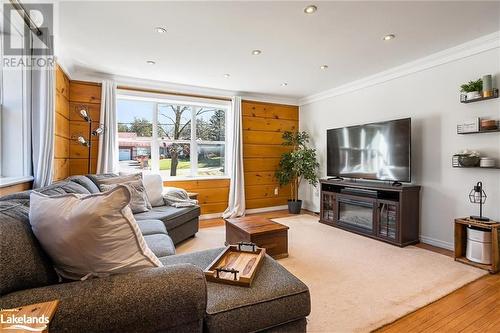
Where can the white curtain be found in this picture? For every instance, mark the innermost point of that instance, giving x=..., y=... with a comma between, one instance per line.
x=107, y=158
x=236, y=205
x=42, y=124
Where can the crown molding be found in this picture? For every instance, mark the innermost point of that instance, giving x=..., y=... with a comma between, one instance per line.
x=473, y=47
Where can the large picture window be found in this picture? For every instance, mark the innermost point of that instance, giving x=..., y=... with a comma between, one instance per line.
x=174, y=138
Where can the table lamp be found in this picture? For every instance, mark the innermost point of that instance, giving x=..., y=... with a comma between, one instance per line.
x=478, y=196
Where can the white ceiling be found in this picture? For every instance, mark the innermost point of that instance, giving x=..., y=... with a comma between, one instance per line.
x=205, y=40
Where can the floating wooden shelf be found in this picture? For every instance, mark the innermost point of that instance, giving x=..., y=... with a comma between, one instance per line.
x=465, y=100
x=482, y=131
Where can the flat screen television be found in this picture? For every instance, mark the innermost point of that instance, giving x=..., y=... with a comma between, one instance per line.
x=376, y=151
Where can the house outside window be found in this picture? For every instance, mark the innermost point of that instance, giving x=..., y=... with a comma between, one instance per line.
x=176, y=138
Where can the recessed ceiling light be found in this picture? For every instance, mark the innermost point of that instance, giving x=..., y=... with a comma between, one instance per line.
x=323, y=67
x=151, y=62
x=160, y=30
x=284, y=84
x=310, y=9
x=389, y=37
x=227, y=75
x=256, y=52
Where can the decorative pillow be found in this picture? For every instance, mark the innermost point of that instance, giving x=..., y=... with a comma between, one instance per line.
x=90, y=235
x=154, y=189
x=139, y=202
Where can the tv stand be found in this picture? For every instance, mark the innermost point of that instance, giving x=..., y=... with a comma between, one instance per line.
x=335, y=178
x=382, y=211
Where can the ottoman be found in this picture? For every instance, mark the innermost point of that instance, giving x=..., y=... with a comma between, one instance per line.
x=276, y=302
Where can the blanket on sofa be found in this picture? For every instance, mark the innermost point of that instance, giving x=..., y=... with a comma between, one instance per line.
x=177, y=197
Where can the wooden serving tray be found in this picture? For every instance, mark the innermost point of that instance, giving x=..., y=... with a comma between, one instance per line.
x=236, y=265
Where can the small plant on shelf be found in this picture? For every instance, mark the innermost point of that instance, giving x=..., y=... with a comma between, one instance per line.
x=472, y=89
x=296, y=165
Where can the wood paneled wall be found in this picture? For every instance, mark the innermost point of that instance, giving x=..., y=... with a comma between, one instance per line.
x=83, y=94
x=61, y=130
x=263, y=126
x=212, y=193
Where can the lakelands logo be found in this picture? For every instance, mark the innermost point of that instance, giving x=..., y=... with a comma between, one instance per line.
x=27, y=38
x=24, y=322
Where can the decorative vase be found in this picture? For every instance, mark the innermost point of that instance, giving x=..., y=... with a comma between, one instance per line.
x=487, y=86
x=294, y=207
x=473, y=95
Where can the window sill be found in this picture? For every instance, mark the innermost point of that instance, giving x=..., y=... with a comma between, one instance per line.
x=9, y=181
x=179, y=179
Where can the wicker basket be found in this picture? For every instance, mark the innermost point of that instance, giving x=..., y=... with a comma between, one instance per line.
x=468, y=161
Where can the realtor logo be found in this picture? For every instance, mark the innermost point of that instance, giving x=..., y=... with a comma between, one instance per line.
x=10, y=321
x=37, y=28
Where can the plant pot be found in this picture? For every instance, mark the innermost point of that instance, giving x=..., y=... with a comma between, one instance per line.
x=473, y=95
x=294, y=207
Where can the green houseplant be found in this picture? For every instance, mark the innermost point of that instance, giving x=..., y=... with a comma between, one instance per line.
x=472, y=89
x=296, y=165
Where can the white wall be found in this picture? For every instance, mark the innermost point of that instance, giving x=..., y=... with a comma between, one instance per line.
x=431, y=98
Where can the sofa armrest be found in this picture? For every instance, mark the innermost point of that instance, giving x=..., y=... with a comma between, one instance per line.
x=151, y=300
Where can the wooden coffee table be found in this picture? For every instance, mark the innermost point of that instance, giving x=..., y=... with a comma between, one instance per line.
x=265, y=233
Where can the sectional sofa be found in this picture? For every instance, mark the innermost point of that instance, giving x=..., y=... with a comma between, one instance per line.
x=173, y=298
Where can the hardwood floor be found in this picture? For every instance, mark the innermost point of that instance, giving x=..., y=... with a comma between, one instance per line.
x=473, y=308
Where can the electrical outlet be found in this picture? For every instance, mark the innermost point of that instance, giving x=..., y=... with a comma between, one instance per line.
x=276, y=191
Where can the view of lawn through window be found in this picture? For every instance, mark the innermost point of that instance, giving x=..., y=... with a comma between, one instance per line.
x=174, y=139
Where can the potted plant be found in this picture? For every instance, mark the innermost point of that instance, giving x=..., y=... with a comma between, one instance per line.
x=296, y=165
x=472, y=89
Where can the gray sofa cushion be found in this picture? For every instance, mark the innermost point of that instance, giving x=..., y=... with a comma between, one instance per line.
x=85, y=182
x=164, y=299
x=63, y=187
x=171, y=216
x=275, y=297
x=58, y=188
x=160, y=244
x=96, y=178
x=23, y=263
x=151, y=227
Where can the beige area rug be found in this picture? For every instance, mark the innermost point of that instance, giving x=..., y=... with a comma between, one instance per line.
x=357, y=284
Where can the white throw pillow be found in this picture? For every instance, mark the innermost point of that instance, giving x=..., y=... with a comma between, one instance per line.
x=154, y=189
x=90, y=235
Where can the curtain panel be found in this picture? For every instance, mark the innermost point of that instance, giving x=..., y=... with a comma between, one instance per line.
x=236, y=202
x=107, y=157
x=42, y=124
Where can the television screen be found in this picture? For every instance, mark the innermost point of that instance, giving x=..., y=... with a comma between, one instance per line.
x=377, y=151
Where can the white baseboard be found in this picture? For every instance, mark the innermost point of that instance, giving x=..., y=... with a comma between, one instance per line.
x=248, y=211
x=437, y=242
